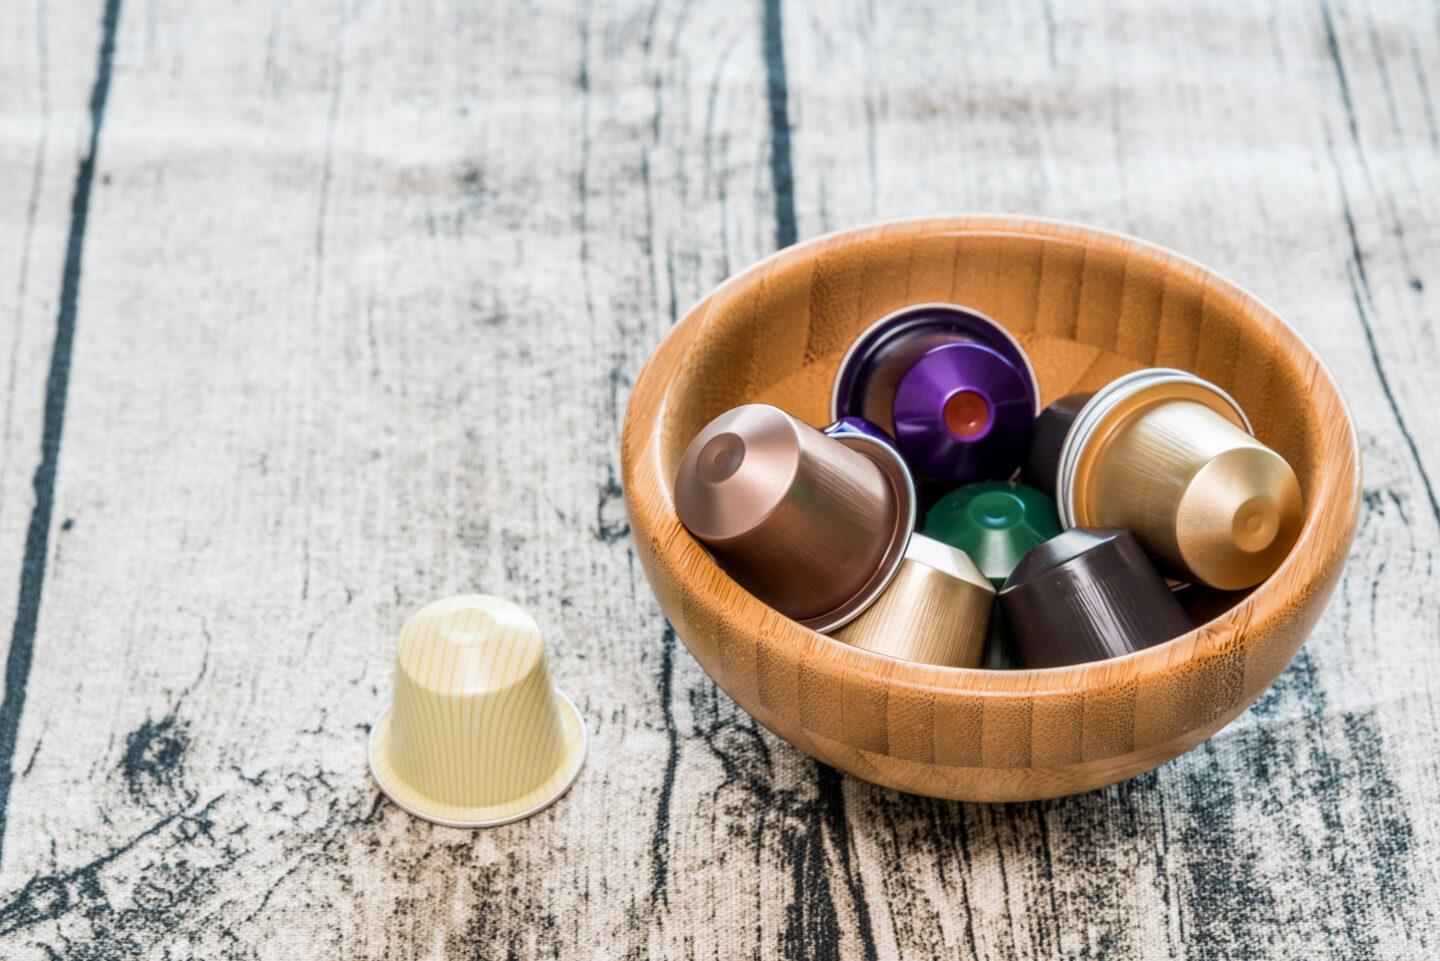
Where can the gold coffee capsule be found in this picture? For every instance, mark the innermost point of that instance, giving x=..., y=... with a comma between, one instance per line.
x=1172, y=458
x=935, y=611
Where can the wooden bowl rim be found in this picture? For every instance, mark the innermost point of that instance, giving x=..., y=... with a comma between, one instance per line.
x=1330, y=520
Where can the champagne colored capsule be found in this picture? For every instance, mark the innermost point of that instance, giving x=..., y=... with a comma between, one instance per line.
x=995, y=522
x=476, y=735
x=1172, y=458
x=953, y=387
x=1088, y=595
x=813, y=525
x=935, y=611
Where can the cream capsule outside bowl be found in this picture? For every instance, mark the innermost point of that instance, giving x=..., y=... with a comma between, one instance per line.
x=1172, y=457
x=813, y=525
x=935, y=611
x=476, y=735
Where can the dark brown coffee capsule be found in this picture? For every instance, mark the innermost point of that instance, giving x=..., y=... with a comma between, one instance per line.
x=1046, y=444
x=814, y=526
x=1087, y=595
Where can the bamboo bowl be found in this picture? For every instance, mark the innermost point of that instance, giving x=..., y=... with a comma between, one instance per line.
x=1088, y=306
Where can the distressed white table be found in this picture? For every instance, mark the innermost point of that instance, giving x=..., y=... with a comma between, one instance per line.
x=315, y=312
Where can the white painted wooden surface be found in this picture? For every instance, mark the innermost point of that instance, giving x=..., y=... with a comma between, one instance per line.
x=360, y=295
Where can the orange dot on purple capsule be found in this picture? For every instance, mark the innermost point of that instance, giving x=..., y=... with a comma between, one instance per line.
x=967, y=413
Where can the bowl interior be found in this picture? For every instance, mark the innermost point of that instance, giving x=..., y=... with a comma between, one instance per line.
x=1087, y=306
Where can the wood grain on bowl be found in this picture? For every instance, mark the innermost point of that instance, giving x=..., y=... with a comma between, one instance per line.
x=1088, y=306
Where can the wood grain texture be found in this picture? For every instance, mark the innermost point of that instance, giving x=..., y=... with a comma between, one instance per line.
x=1052, y=732
x=346, y=263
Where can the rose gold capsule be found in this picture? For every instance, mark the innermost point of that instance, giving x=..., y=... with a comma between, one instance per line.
x=814, y=526
x=1171, y=457
x=935, y=611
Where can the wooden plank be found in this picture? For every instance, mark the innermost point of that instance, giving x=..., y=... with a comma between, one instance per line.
x=364, y=297
x=1231, y=136
x=348, y=267
x=44, y=140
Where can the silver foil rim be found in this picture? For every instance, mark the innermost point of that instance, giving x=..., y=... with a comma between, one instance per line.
x=1094, y=412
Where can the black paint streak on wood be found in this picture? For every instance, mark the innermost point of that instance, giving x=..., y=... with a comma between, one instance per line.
x=782, y=171
x=1390, y=398
x=962, y=838
x=1047, y=10
x=154, y=758
x=1047, y=864
x=1356, y=290
x=837, y=825
x=57, y=388
x=1333, y=46
x=812, y=926
x=512, y=917
x=46, y=897
x=798, y=821
x=610, y=501
x=818, y=928
x=1221, y=868
x=582, y=81
x=1294, y=778
x=660, y=841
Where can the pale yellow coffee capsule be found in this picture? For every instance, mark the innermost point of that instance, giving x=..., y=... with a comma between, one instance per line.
x=476, y=735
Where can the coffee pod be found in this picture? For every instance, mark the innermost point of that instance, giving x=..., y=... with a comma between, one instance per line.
x=1089, y=594
x=814, y=526
x=995, y=522
x=952, y=386
x=476, y=735
x=1041, y=463
x=962, y=413
x=927, y=491
x=859, y=425
x=1172, y=457
x=935, y=611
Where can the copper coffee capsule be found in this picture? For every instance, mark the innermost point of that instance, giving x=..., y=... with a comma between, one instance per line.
x=814, y=526
x=1172, y=458
x=935, y=611
x=1087, y=595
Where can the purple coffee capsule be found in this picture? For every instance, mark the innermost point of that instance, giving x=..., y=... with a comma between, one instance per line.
x=859, y=425
x=952, y=386
x=1087, y=595
x=962, y=413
